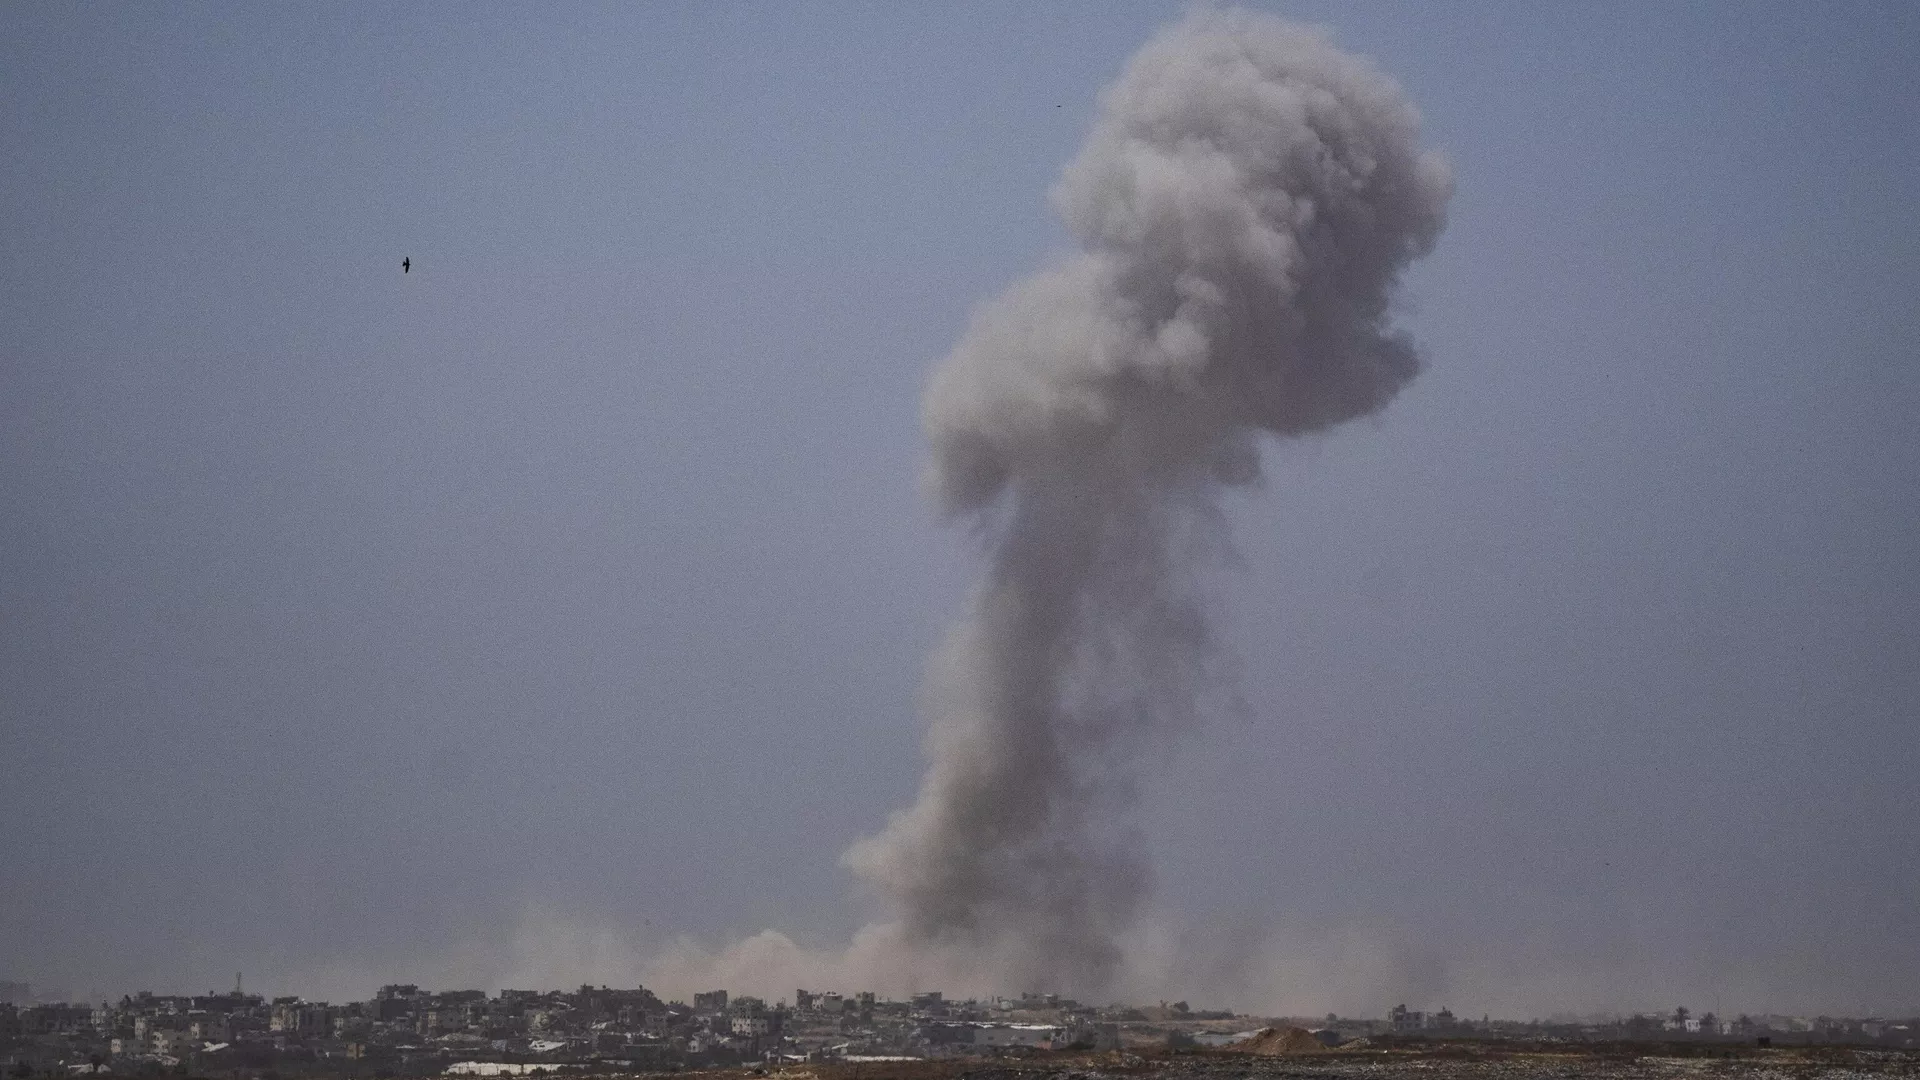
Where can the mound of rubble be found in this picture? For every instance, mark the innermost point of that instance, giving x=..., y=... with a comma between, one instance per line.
x=1273, y=1042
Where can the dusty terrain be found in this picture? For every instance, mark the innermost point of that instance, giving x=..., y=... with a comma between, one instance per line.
x=1438, y=1061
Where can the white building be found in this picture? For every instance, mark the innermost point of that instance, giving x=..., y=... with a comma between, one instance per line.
x=751, y=1026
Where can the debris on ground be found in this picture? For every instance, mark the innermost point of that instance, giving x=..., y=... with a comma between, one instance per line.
x=1272, y=1042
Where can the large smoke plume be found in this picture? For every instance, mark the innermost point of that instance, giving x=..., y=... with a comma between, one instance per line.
x=1244, y=206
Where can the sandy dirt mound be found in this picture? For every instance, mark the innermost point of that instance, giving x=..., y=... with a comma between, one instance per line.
x=1276, y=1041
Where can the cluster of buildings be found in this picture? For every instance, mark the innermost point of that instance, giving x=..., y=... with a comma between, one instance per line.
x=1681, y=1024
x=1765, y=1029
x=406, y=1031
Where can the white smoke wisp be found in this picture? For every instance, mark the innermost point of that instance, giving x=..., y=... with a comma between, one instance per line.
x=1244, y=206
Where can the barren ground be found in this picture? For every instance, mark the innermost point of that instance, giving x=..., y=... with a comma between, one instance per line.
x=1438, y=1061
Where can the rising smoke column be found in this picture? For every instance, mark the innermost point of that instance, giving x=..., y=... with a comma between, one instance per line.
x=1244, y=206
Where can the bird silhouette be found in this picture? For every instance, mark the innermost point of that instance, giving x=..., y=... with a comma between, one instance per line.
x=406, y=265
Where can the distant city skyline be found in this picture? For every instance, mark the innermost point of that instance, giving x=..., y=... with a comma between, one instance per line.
x=937, y=1004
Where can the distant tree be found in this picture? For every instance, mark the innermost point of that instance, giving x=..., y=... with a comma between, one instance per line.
x=1680, y=1016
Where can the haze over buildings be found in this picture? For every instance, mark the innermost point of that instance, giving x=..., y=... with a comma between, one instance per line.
x=407, y=1030
x=555, y=612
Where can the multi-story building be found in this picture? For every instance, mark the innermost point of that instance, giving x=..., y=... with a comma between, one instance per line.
x=172, y=1042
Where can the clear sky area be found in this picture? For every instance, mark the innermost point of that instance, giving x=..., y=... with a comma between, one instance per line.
x=555, y=611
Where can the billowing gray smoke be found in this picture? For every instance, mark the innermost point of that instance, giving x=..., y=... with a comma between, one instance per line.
x=1245, y=204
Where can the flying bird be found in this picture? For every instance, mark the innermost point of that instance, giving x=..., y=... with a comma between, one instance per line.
x=406, y=264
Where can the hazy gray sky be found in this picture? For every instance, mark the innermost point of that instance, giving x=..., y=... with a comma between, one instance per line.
x=506, y=619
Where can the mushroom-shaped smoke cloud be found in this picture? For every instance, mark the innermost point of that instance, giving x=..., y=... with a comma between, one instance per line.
x=1245, y=204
